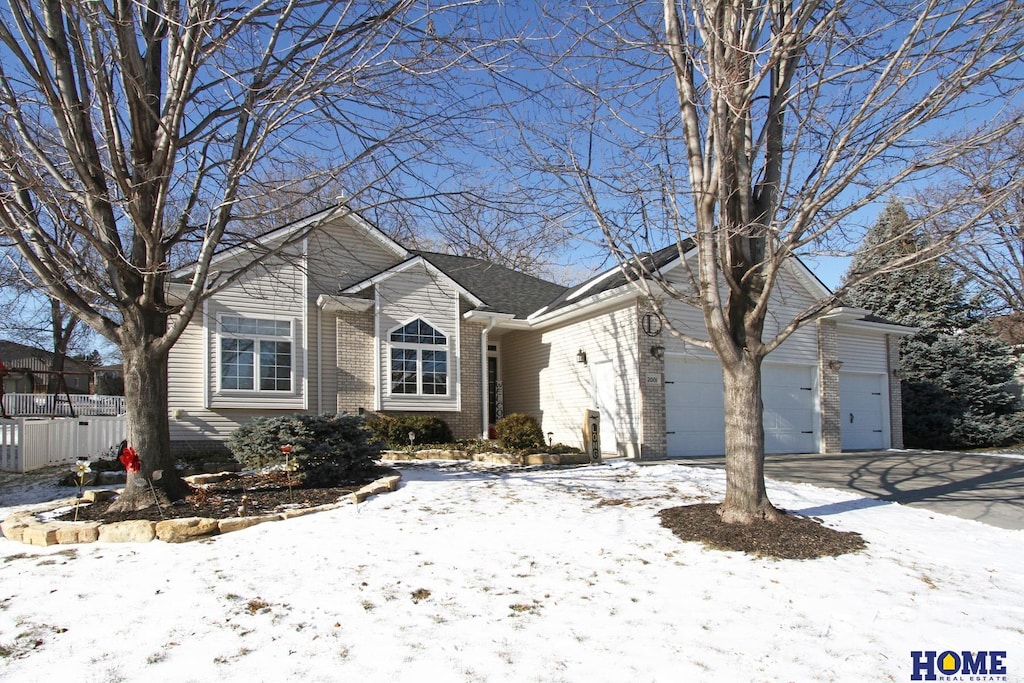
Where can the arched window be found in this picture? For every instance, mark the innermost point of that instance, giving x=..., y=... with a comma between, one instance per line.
x=419, y=360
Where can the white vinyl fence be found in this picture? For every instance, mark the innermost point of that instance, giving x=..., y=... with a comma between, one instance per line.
x=29, y=443
x=25, y=405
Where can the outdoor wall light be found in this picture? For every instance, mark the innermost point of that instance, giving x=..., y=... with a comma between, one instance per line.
x=581, y=357
x=658, y=351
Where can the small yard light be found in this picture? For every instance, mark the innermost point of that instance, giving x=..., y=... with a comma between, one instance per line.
x=551, y=439
x=412, y=439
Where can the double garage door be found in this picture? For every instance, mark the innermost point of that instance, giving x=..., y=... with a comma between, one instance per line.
x=695, y=407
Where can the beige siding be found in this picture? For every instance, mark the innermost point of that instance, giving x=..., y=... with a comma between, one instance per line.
x=862, y=351
x=339, y=254
x=788, y=299
x=542, y=377
x=412, y=294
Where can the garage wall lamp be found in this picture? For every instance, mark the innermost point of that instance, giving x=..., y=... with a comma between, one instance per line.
x=581, y=357
x=658, y=351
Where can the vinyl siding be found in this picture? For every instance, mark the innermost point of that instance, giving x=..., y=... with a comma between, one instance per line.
x=861, y=351
x=338, y=255
x=541, y=376
x=788, y=299
x=411, y=294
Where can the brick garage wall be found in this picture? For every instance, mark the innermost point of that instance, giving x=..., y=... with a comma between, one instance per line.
x=654, y=442
x=828, y=374
x=892, y=344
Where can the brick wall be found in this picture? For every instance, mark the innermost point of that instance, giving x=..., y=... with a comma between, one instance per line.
x=828, y=375
x=466, y=423
x=892, y=344
x=654, y=443
x=355, y=362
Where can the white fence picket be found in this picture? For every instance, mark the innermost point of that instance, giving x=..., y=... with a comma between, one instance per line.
x=30, y=444
x=27, y=405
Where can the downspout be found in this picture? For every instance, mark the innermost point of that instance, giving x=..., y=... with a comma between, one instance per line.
x=485, y=423
x=319, y=361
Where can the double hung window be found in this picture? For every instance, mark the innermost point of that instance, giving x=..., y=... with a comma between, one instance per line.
x=255, y=354
x=419, y=360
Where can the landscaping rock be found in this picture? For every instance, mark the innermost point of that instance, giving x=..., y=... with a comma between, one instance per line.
x=108, y=478
x=200, y=479
x=98, y=496
x=185, y=529
x=13, y=527
x=238, y=523
x=78, y=532
x=134, y=531
x=41, y=534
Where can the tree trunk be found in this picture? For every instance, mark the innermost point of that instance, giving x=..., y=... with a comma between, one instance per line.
x=145, y=390
x=746, y=500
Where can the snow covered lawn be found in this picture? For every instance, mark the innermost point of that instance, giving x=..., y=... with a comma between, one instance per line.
x=488, y=573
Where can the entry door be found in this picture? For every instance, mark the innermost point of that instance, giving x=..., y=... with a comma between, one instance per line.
x=606, y=396
x=863, y=411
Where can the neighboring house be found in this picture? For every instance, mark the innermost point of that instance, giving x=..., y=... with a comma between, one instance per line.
x=347, y=320
x=29, y=371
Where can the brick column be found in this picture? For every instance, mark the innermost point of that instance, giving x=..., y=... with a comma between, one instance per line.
x=828, y=375
x=892, y=345
x=653, y=441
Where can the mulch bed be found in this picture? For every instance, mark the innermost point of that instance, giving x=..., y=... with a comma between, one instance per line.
x=265, y=493
x=791, y=538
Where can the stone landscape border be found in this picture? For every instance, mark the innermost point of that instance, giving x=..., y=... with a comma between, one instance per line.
x=26, y=527
x=498, y=458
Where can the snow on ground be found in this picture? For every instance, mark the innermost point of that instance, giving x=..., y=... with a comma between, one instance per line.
x=476, y=573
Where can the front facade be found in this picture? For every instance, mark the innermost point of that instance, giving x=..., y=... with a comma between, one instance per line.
x=342, y=319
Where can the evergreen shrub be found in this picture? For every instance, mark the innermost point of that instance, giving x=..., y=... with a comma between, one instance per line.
x=393, y=431
x=326, y=449
x=519, y=431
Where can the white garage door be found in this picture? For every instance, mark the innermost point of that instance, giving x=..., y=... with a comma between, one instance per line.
x=695, y=408
x=862, y=411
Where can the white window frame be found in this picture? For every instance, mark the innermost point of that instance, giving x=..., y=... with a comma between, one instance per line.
x=419, y=349
x=257, y=339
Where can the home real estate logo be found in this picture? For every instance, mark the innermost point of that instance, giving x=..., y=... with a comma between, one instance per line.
x=982, y=665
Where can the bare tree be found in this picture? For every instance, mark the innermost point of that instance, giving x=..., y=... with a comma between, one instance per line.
x=749, y=131
x=989, y=253
x=143, y=126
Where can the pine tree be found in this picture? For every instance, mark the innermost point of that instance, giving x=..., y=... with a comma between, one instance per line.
x=954, y=369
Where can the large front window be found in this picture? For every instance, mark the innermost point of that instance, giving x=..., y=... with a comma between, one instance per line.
x=419, y=360
x=255, y=354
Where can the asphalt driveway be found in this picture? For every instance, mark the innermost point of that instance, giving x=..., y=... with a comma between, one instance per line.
x=985, y=488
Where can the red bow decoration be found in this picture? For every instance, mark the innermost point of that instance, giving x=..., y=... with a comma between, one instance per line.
x=130, y=459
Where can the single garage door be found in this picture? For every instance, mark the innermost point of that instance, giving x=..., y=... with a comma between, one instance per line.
x=695, y=408
x=862, y=411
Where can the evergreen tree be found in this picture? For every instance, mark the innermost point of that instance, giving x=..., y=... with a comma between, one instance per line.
x=954, y=370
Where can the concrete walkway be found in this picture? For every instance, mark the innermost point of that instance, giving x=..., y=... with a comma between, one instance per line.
x=985, y=488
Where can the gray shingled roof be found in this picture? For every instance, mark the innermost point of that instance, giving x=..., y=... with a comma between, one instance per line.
x=503, y=290
x=613, y=278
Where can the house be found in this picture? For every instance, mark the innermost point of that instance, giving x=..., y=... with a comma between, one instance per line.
x=30, y=371
x=342, y=318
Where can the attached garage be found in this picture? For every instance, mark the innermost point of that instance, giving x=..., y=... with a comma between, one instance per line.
x=695, y=407
x=863, y=411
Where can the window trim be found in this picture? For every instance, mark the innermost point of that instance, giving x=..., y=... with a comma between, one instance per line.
x=419, y=348
x=291, y=338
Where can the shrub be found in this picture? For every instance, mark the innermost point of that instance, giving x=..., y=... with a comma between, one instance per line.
x=393, y=431
x=326, y=449
x=519, y=431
